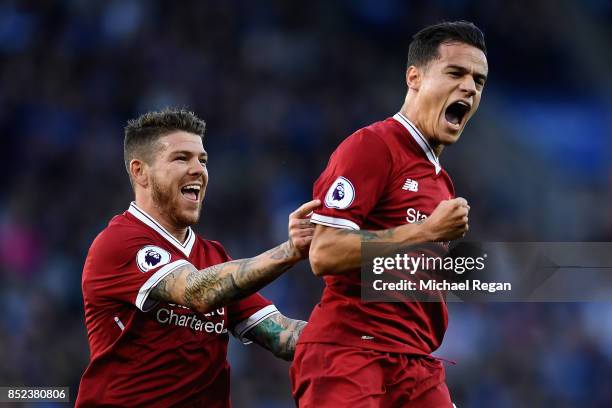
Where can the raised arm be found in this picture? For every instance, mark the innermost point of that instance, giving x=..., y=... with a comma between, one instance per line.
x=279, y=334
x=208, y=289
x=335, y=251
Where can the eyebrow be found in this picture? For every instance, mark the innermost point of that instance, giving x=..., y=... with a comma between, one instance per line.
x=464, y=70
x=190, y=153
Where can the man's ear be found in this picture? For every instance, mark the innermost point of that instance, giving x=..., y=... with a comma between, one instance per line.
x=139, y=172
x=414, y=76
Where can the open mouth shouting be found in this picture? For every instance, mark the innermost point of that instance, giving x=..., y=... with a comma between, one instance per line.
x=192, y=191
x=456, y=113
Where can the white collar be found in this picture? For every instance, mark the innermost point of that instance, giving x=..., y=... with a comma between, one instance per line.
x=420, y=139
x=185, y=247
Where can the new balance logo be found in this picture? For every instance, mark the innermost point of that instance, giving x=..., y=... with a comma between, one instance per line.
x=411, y=185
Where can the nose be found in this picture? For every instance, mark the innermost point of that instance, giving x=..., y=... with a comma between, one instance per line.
x=468, y=85
x=196, y=167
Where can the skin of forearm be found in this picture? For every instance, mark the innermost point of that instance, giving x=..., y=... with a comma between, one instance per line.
x=279, y=334
x=208, y=289
x=335, y=251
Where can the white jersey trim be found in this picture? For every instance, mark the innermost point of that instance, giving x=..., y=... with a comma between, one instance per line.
x=145, y=289
x=333, y=222
x=185, y=247
x=420, y=139
x=244, y=326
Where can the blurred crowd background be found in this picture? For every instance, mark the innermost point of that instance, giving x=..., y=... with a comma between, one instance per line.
x=280, y=84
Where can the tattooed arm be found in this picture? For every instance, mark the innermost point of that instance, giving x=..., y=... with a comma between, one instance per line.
x=335, y=251
x=278, y=334
x=208, y=289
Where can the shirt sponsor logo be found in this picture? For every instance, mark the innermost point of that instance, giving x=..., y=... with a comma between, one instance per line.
x=414, y=216
x=193, y=321
x=151, y=257
x=340, y=195
x=411, y=185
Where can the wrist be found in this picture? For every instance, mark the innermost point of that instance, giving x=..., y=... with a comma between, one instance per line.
x=423, y=233
x=292, y=253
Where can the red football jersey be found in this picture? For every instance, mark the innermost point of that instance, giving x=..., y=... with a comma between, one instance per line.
x=382, y=176
x=147, y=353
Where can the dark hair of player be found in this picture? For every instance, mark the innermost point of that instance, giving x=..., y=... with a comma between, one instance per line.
x=425, y=43
x=142, y=133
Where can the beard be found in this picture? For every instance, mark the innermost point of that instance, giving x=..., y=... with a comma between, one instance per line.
x=169, y=205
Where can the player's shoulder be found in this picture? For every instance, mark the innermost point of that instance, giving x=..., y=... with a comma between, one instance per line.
x=209, y=243
x=213, y=246
x=384, y=128
x=367, y=139
x=121, y=227
x=378, y=135
x=120, y=231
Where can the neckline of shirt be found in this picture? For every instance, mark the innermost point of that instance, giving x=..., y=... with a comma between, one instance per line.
x=420, y=139
x=148, y=220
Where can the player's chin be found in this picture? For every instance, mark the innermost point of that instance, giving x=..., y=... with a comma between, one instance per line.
x=449, y=135
x=189, y=217
x=189, y=212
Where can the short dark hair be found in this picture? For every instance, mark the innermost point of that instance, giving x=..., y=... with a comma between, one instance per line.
x=142, y=133
x=425, y=43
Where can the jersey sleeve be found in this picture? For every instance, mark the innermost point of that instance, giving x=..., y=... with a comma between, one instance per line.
x=247, y=313
x=353, y=181
x=125, y=266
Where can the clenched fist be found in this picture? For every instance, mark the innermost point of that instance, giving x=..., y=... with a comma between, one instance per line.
x=448, y=221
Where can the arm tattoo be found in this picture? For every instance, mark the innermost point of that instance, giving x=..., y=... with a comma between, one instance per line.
x=163, y=290
x=211, y=286
x=279, y=334
x=283, y=251
x=369, y=236
x=218, y=285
